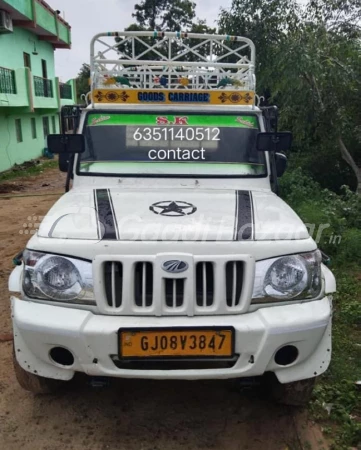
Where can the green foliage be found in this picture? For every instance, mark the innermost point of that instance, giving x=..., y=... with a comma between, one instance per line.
x=267, y=23
x=336, y=389
x=351, y=246
x=82, y=82
x=126, y=47
x=165, y=15
x=28, y=169
x=317, y=206
x=308, y=63
x=172, y=15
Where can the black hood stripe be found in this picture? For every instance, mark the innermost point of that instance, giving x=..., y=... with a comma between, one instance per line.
x=107, y=224
x=114, y=216
x=244, y=223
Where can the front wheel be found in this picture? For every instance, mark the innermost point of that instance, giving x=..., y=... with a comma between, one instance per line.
x=296, y=393
x=35, y=383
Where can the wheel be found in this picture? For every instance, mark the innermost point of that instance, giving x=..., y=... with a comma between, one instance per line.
x=297, y=393
x=35, y=383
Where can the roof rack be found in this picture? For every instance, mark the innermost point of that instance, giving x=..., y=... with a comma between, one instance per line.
x=124, y=64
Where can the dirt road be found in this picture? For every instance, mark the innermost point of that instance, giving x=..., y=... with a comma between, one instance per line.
x=127, y=414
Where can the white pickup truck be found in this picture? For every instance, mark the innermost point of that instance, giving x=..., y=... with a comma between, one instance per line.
x=172, y=256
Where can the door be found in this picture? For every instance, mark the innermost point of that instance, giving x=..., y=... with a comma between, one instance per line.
x=45, y=76
x=27, y=60
x=46, y=127
x=44, y=68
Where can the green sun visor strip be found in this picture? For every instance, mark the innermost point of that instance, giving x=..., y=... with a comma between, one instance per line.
x=125, y=167
x=234, y=121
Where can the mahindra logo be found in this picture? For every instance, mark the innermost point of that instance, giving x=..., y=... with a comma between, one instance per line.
x=175, y=266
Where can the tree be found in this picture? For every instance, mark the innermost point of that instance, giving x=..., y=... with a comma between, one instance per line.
x=309, y=63
x=170, y=15
x=165, y=15
x=323, y=59
x=199, y=27
x=82, y=81
x=267, y=23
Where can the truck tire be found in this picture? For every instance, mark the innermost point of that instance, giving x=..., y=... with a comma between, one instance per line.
x=35, y=383
x=296, y=393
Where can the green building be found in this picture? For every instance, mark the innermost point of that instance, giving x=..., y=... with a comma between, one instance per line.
x=31, y=95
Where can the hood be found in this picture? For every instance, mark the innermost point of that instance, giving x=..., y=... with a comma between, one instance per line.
x=172, y=215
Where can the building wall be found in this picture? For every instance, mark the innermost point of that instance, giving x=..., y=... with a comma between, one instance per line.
x=23, y=82
x=23, y=96
x=13, y=45
x=23, y=6
x=42, y=15
x=14, y=152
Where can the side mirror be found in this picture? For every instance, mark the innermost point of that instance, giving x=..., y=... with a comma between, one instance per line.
x=66, y=143
x=274, y=142
x=281, y=164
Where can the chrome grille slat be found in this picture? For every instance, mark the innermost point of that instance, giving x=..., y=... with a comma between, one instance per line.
x=144, y=279
x=234, y=283
x=174, y=292
x=143, y=284
x=113, y=274
x=113, y=284
x=204, y=269
x=234, y=288
x=204, y=284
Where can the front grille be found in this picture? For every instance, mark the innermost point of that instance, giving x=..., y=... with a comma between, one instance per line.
x=113, y=280
x=234, y=283
x=211, y=285
x=204, y=284
x=174, y=292
x=143, y=284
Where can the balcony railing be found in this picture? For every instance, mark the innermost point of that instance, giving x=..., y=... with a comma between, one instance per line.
x=7, y=81
x=43, y=87
x=65, y=91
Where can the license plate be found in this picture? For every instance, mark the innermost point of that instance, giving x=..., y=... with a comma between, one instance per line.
x=176, y=343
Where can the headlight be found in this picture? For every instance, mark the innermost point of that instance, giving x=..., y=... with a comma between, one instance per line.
x=57, y=278
x=288, y=278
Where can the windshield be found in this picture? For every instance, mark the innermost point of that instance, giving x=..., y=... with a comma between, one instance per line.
x=171, y=144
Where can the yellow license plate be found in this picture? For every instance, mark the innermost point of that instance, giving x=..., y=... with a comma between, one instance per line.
x=176, y=342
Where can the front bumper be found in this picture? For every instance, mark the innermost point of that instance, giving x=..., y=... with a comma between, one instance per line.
x=93, y=340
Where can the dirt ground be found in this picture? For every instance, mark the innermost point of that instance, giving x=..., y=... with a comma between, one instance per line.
x=127, y=414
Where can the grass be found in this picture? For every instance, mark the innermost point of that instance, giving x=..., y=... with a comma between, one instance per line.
x=26, y=170
x=336, y=389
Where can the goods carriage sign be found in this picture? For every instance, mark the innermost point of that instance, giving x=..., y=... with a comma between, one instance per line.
x=171, y=97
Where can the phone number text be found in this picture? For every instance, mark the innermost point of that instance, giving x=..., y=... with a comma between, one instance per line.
x=176, y=134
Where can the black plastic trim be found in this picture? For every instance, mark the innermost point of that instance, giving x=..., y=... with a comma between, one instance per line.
x=59, y=254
